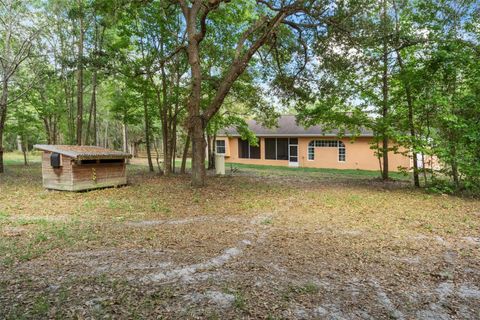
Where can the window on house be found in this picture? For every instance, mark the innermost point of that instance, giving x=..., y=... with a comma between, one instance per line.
x=220, y=146
x=282, y=149
x=276, y=148
x=247, y=151
x=243, y=149
x=255, y=151
x=311, y=150
x=342, y=154
x=271, y=148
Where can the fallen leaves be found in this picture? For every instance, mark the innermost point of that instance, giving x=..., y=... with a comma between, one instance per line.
x=248, y=246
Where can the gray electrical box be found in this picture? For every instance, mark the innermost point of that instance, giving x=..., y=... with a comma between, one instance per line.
x=55, y=160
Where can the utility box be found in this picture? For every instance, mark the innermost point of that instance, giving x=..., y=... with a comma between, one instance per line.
x=55, y=160
x=220, y=164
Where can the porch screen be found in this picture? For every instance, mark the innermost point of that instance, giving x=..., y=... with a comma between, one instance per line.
x=247, y=151
x=276, y=148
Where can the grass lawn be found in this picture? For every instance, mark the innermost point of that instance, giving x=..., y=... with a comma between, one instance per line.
x=315, y=172
x=263, y=242
x=16, y=158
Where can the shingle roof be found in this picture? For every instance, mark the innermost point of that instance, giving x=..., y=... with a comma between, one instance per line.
x=287, y=126
x=83, y=152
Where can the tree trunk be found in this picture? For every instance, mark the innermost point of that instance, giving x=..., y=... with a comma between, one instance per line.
x=125, y=137
x=3, y=118
x=454, y=166
x=24, y=146
x=105, y=140
x=71, y=120
x=409, y=98
x=198, y=153
x=167, y=159
x=214, y=148
x=95, y=129
x=2, y=170
x=424, y=169
x=157, y=158
x=385, y=172
x=80, y=81
x=19, y=143
x=185, y=154
x=416, y=178
x=54, y=130
x=174, y=118
x=147, y=131
x=167, y=143
x=134, y=148
x=411, y=123
x=48, y=130
x=93, y=110
x=209, y=152
x=174, y=144
x=196, y=122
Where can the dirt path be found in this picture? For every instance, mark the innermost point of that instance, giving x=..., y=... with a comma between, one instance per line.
x=246, y=247
x=261, y=272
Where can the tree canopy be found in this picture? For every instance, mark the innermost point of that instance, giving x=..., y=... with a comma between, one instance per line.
x=160, y=75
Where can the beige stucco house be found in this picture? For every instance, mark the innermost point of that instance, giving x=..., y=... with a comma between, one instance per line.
x=292, y=145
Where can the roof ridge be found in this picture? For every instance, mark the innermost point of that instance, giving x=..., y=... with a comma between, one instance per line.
x=288, y=126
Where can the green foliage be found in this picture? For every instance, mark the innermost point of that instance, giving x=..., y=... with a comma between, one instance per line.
x=327, y=65
x=433, y=86
x=439, y=186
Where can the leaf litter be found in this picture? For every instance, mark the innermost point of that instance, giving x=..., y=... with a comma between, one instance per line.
x=251, y=246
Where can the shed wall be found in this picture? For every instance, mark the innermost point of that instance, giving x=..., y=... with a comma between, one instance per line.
x=98, y=175
x=57, y=178
x=76, y=177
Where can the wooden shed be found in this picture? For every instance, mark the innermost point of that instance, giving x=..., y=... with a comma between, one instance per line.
x=76, y=168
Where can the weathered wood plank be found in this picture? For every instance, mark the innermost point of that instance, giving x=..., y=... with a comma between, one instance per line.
x=72, y=176
x=88, y=185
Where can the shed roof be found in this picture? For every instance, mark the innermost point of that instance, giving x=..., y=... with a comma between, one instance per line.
x=83, y=152
x=287, y=126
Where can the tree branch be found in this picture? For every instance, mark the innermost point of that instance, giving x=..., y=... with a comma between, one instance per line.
x=259, y=23
x=240, y=64
x=212, y=5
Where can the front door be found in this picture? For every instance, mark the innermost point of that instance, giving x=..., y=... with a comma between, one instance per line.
x=293, y=152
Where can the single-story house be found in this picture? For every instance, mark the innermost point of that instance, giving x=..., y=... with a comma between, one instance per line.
x=77, y=168
x=290, y=144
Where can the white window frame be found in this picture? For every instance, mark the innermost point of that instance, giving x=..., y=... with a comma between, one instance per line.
x=341, y=146
x=224, y=147
x=293, y=163
x=327, y=144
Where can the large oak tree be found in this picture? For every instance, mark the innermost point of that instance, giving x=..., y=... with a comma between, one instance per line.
x=262, y=23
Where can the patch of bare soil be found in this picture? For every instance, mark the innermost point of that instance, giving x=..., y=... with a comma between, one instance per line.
x=312, y=253
x=263, y=271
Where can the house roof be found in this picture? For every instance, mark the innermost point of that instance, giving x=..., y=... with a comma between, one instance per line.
x=287, y=126
x=83, y=152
